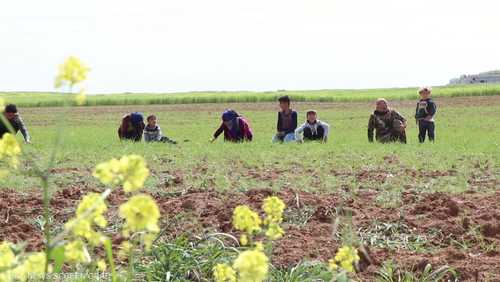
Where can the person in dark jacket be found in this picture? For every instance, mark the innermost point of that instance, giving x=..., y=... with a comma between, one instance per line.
x=389, y=125
x=234, y=127
x=132, y=127
x=16, y=122
x=287, y=122
x=424, y=115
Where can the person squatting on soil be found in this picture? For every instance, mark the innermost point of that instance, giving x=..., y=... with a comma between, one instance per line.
x=313, y=129
x=424, y=114
x=132, y=127
x=388, y=124
x=287, y=122
x=15, y=120
x=152, y=132
x=235, y=127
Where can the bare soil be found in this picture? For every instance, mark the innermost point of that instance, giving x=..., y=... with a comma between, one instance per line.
x=472, y=218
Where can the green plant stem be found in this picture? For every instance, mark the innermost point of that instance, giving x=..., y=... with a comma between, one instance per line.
x=44, y=176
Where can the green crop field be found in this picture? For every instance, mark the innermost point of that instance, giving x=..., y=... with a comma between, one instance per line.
x=431, y=204
x=57, y=99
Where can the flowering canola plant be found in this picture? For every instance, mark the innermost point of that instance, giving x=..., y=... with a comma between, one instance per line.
x=72, y=72
x=14, y=268
x=10, y=150
x=347, y=257
x=252, y=265
x=129, y=171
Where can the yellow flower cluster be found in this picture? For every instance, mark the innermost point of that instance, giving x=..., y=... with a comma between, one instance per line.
x=32, y=268
x=13, y=268
x=89, y=212
x=81, y=97
x=141, y=214
x=76, y=252
x=252, y=266
x=224, y=273
x=129, y=171
x=10, y=149
x=245, y=219
x=71, y=72
x=273, y=207
x=346, y=256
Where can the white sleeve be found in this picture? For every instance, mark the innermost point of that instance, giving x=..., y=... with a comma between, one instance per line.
x=298, y=132
x=158, y=137
x=326, y=127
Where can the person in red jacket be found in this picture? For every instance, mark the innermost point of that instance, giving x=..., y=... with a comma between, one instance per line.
x=234, y=127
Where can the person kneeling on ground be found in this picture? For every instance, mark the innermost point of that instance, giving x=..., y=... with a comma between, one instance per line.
x=16, y=122
x=152, y=132
x=313, y=129
x=287, y=122
x=132, y=127
x=235, y=128
x=388, y=124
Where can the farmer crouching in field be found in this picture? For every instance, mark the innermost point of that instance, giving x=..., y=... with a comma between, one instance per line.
x=388, y=124
x=235, y=128
x=132, y=127
x=313, y=129
x=16, y=122
x=287, y=122
x=424, y=114
x=152, y=132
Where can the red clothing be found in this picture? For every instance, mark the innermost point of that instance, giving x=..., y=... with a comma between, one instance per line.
x=242, y=131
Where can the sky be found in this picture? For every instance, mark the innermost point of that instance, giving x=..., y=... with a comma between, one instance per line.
x=259, y=45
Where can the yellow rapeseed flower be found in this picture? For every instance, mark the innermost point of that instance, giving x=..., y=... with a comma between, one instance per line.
x=273, y=207
x=71, y=72
x=93, y=207
x=252, y=266
x=32, y=268
x=81, y=97
x=125, y=249
x=243, y=239
x=101, y=265
x=224, y=273
x=130, y=171
x=10, y=149
x=7, y=257
x=141, y=213
x=347, y=257
x=76, y=252
x=244, y=219
x=274, y=231
x=2, y=102
x=89, y=212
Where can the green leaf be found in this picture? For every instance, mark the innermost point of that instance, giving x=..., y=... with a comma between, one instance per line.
x=57, y=254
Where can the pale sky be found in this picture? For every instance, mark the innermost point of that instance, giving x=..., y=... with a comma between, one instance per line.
x=191, y=45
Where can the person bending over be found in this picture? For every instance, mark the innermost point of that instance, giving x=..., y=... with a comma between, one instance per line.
x=132, y=127
x=235, y=128
x=16, y=122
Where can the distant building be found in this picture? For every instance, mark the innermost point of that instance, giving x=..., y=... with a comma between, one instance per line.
x=484, y=77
